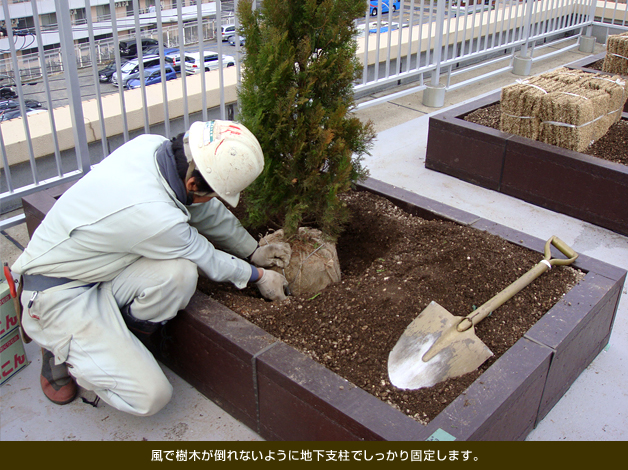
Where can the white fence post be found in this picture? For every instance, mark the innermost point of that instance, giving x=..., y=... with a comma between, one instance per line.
x=522, y=63
x=73, y=86
x=434, y=94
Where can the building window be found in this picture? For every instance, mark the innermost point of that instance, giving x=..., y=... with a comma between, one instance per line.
x=78, y=15
x=103, y=13
x=48, y=19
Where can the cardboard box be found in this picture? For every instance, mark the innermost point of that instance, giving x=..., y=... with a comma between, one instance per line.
x=8, y=315
x=12, y=355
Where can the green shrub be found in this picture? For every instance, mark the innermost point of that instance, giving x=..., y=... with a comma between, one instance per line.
x=297, y=98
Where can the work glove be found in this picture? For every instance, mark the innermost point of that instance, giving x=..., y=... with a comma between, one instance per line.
x=273, y=254
x=272, y=285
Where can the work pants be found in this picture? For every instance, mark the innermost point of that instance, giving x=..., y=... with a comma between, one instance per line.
x=83, y=327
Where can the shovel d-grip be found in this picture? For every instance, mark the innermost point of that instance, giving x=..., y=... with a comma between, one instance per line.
x=498, y=300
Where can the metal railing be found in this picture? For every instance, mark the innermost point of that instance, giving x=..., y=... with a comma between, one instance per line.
x=31, y=65
x=454, y=40
x=426, y=42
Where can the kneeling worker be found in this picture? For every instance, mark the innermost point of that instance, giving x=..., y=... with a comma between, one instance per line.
x=119, y=252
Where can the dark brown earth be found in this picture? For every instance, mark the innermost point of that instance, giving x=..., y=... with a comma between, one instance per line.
x=612, y=146
x=393, y=265
x=597, y=65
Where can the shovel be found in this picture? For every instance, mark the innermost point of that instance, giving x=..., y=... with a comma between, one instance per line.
x=437, y=345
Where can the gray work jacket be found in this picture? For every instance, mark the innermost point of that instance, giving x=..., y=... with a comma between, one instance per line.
x=124, y=209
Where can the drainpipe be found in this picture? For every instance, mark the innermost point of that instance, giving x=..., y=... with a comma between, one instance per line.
x=434, y=93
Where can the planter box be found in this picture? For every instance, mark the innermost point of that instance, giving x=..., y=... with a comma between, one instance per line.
x=565, y=181
x=284, y=395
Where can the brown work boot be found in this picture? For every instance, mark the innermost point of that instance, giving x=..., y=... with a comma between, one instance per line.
x=56, y=383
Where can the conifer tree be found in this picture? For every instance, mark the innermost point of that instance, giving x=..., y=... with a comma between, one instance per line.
x=297, y=98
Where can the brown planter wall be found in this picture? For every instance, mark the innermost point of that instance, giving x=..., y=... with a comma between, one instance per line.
x=572, y=183
x=284, y=395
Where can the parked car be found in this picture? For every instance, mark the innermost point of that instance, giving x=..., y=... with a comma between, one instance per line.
x=174, y=59
x=169, y=53
x=152, y=75
x=7, y=87
x=385, y=6
x=106, y=73
x=232, y=40
x=12, y=113
x=154, y=50
x=128, y=47
x=210, y=62
x=227, y=30
x=133, y=66
x=15, y=104
x=6, y=92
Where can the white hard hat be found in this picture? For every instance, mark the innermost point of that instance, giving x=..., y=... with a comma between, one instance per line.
x=227, y=154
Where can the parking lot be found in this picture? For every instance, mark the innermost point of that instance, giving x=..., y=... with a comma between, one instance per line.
x=88, y=82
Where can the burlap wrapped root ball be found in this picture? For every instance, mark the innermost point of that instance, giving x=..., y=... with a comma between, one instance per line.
x=616, y=58
x=314, y=262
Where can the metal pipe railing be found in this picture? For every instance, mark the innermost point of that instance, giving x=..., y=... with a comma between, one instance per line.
x=428, y=39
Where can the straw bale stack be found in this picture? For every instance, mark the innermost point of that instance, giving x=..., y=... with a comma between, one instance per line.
x=567, y=108
x=616, y=59
x=567, y=76
x=615, y=87
x=573, y=118
x=520, y=105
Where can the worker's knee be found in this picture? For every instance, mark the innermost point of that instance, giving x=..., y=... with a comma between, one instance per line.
x=140, y=392
x=156, y=290
x=183, y=279
x=156, y=397
x=147, y=398
x=188, y=274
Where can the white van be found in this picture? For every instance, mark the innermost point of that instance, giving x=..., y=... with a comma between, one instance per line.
x=175, y=59
x=133, y=66
x=227, y=30
x=194, y=65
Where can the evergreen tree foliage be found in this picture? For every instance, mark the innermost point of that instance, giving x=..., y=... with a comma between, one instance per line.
x=297, y=97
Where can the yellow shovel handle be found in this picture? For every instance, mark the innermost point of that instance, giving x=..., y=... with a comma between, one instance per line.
x=481, y=313
x=563, y=248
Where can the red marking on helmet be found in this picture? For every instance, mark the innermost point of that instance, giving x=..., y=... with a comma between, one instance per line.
x=233, y=130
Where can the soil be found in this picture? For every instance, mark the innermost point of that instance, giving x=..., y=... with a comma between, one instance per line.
x=597, y=65
x=612, y=146
x=393, y=265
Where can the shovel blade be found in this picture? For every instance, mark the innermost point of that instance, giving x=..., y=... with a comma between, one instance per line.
x=458, y=352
